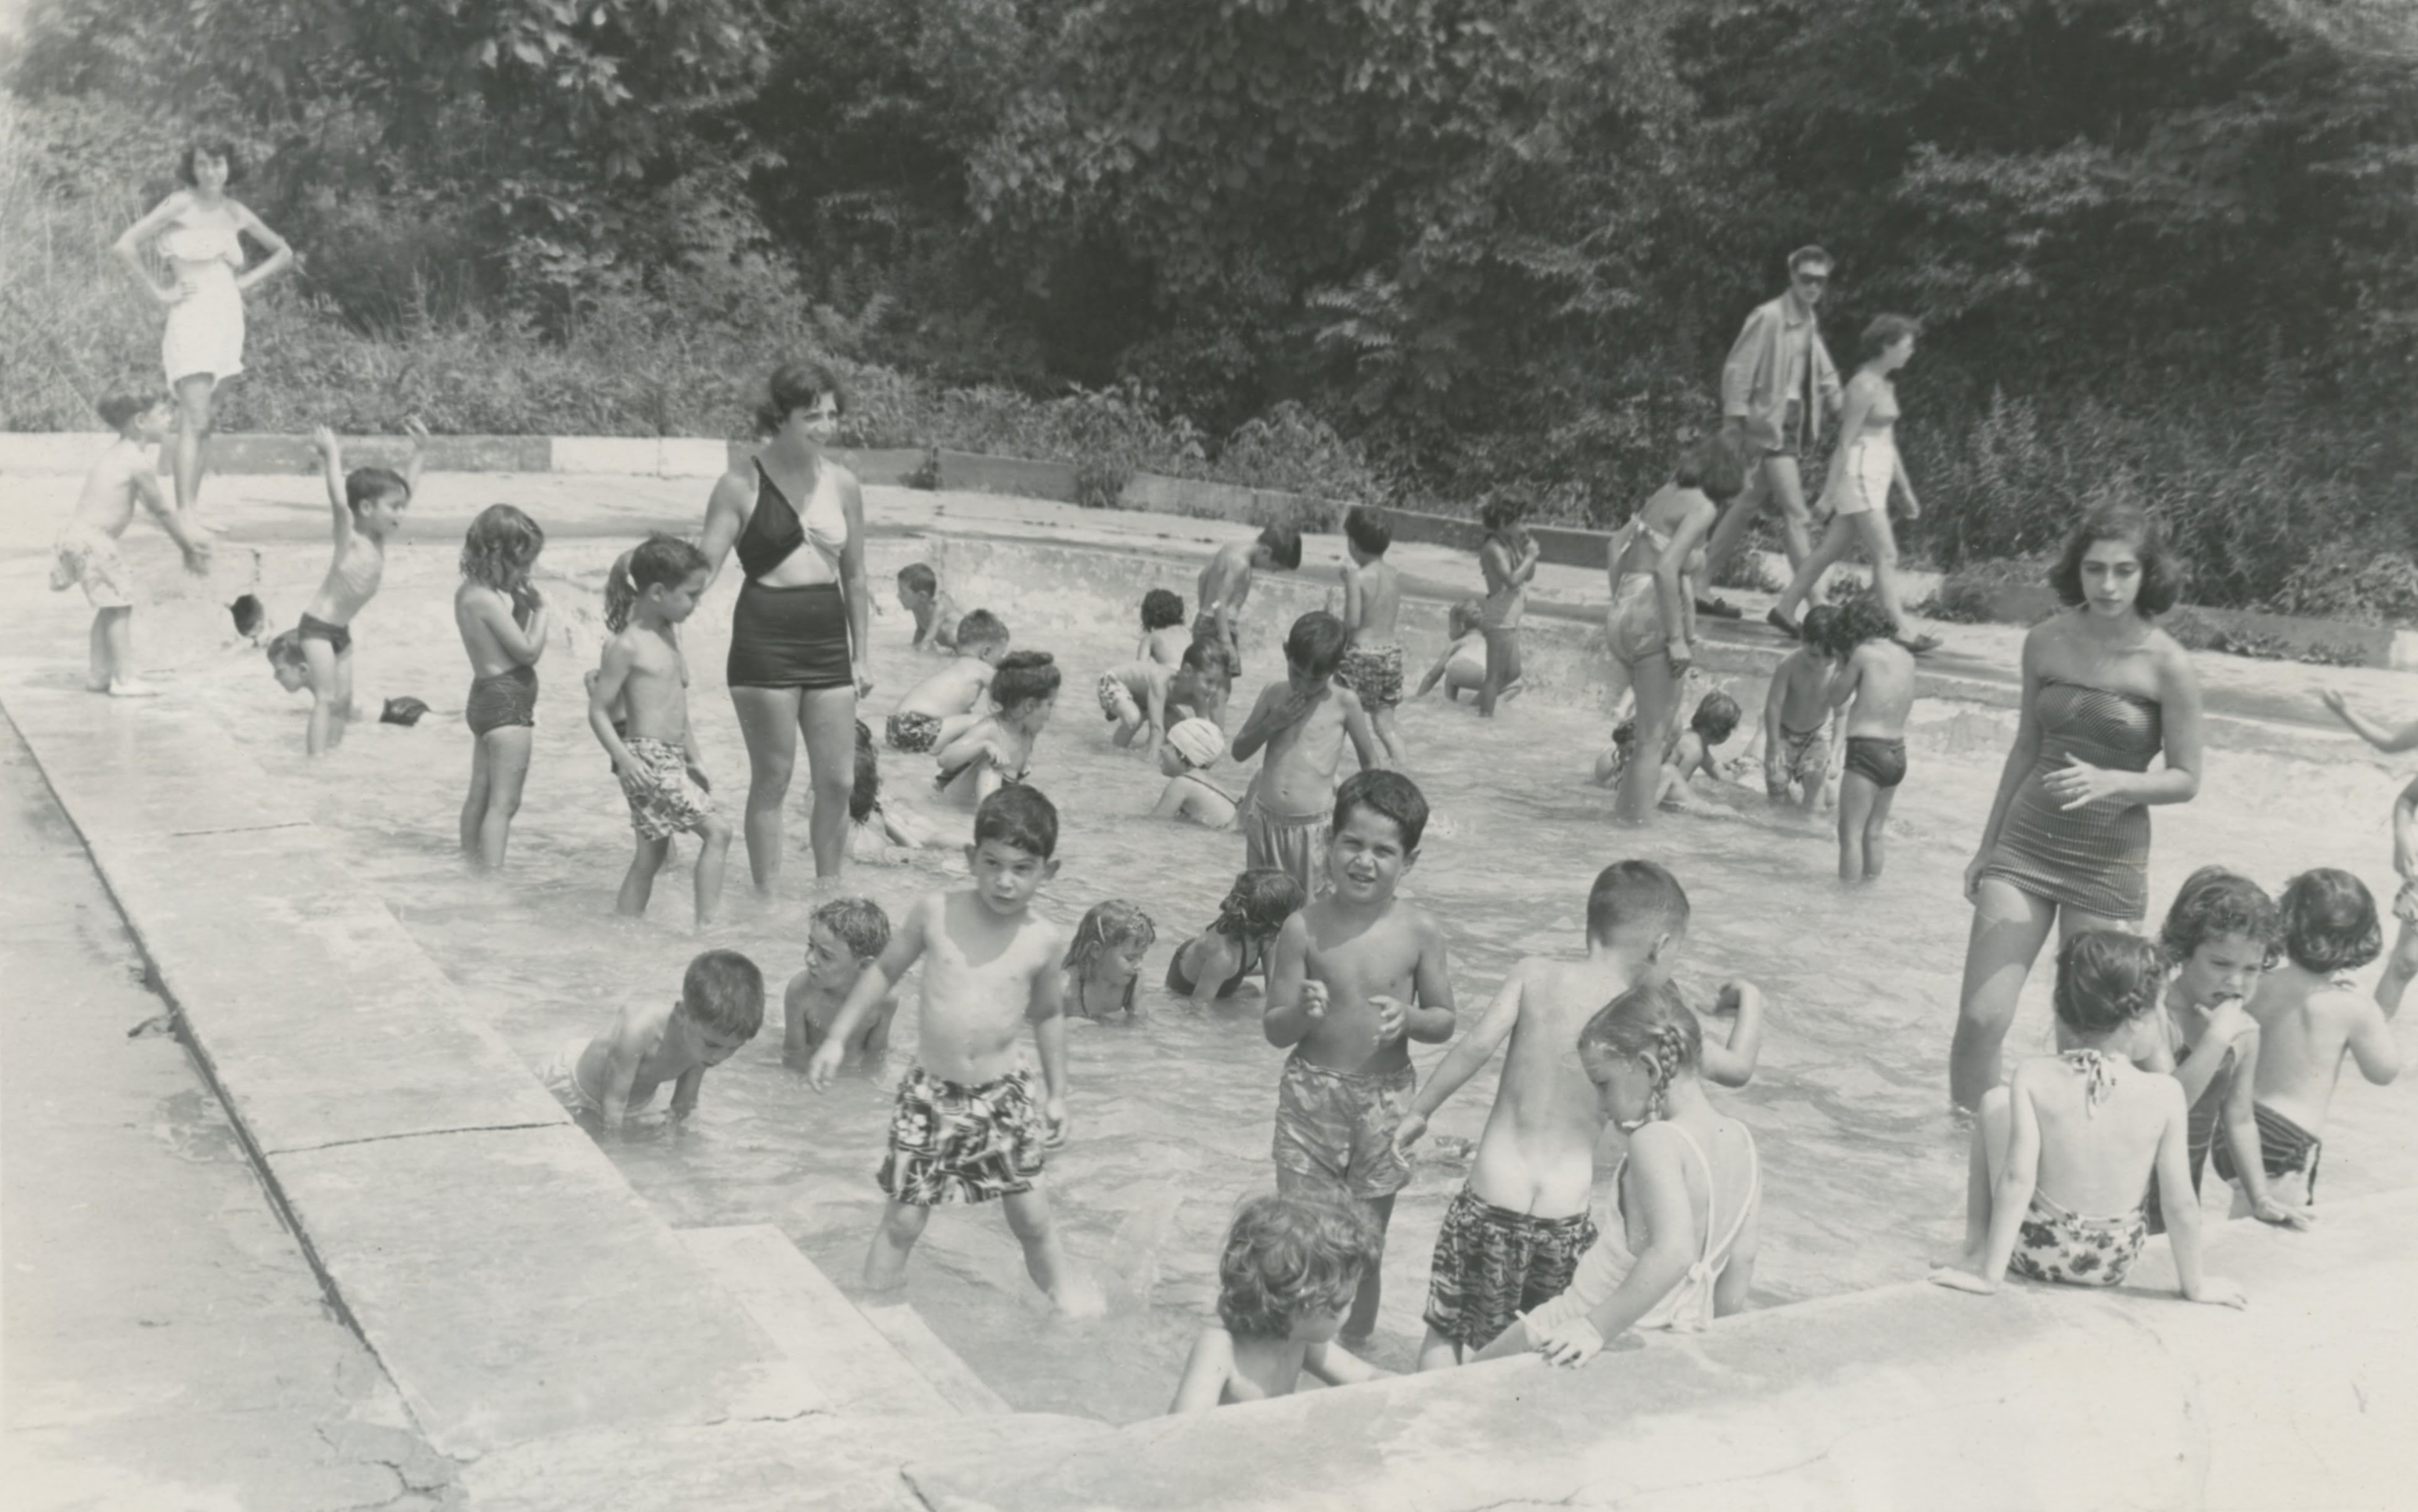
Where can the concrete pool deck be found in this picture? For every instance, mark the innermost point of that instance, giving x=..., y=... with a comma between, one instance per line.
x=568, y=1348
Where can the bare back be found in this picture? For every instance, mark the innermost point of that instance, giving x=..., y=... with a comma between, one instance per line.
x=981, y=976
x=107, y=502
x=2306, y=1023
x=2097, y=1161
x=1375, y=589
x=955, y=689
x=1226, y=582
x=1537, y=1154
x=1884, y=677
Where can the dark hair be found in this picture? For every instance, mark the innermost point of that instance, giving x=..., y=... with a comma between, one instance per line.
x=219, y=148
x=1389, y=795
x=918, y=577
x=364, y=485
x=1367, y=530
x=664, y=561
x=1810, y=253
x=1259, y=903
x=1651, y=1022
x=2213, y=903
x=500, y=547
x=285, y=649
x=1639, y=892
x=1291, y=1256
x=723, y=990
x=1316, y=643
x=1859, y=619
x=796, y=386
x=1023, y=678
x=1284, y=544
x=2162, y=574
x=1207, y=656
x=117, y=409
x=1819, y=630
x=1716, y=717
x=859, y=923
x=867, y=793
x=1711, y=466
x=249, y=615
x=2329, y=922
x=1502, y=513
x=1018, y=815
x=620, y=593
x=1160, y=608
x=1883, y=332
x=2106, y=978
x=980, y=627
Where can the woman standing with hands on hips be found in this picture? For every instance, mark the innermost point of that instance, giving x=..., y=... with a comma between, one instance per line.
x=798, y=636
x=2068, y=841
x=199, y=232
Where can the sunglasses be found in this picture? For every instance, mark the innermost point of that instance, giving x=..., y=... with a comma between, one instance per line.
x=1817, y=280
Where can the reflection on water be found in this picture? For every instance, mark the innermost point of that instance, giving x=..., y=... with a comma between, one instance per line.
x=1172, y=1117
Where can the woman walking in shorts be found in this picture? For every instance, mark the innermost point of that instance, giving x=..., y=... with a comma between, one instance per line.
x=798, y=647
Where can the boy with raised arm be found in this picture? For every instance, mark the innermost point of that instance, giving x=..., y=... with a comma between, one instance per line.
x=1352, y=979
x=967, y=1125
x=1372, y=606
x=1303, y=722
x=1226, y=584
x=2403, y=966
x=86, y=551
x=1513, y=1237
x=616, y=1073
x=946, y=704
x=365, y=507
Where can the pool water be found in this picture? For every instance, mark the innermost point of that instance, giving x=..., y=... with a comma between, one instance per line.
x=1863, y=1168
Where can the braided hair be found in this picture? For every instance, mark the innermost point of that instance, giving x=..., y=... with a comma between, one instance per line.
x=1650, y=1022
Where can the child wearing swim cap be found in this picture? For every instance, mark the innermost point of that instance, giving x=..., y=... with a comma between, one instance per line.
x=1193, y=745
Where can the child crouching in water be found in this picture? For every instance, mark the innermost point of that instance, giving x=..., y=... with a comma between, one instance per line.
x=1462, y=668
x=1192, y=747
x=1689, y=755
x=609, y=1078
x=502, y=622
x=1104, y=963
x=1679, y=1250
x=1798, y=723
x=1291, y=1267
x=2085, y=1133
x=1212, y=964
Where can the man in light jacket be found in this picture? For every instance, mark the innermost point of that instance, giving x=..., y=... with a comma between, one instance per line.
x=1777, y=389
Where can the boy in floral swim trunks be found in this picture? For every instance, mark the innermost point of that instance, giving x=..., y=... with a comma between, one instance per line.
x=967, y=1125
x=1352, y=979
x=1303, y=722
x=86, y=550
x=1372, y=604
x=645, y=675
x=936, y=709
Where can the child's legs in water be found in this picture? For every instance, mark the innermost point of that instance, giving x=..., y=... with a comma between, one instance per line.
x=497, y=774
x=2399, y=968
x=893, y=1240
x=1389, y=736
x=638, y=882
x=332, y=687
x=713, y=854
x=1857, y=796
x=474, y=803
x=113, y=648
x=1876, y=831
x=1045, y=1260
x=1657, y=706
x=1502, y=666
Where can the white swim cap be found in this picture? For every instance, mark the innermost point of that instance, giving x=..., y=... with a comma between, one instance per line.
x=1198, y=742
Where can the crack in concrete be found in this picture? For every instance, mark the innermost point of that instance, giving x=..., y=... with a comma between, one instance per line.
x=239, y=829
x=408, y=1134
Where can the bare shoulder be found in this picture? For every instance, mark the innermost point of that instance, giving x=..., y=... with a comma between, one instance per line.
x=735, y=489
x=1417, y=923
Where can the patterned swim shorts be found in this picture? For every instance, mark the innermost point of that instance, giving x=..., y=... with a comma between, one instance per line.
x=89, y=557
x=1374, y=672
x=1804, y=761
x=952, y=1142
x=1334, y=1129
x=1492, y=1264
x=1117, y=700
x=664, y=800
x=2054, y=1244
x=913, y=733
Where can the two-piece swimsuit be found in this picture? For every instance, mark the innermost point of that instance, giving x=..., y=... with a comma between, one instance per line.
x=1632, y=627
x=792, y=634
x=1254, y=958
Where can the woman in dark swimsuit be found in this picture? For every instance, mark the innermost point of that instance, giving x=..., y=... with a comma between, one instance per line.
x=798, y=649
x=2068, y=841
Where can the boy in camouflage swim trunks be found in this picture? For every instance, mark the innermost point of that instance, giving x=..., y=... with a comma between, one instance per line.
x=1372, y=605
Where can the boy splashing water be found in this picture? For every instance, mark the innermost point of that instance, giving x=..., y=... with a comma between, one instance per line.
x=86, y=551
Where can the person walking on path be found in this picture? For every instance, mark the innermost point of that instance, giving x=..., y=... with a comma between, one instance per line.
x=798, y=634
x=1777, y=387
x=199, y=231
x=1863, y=467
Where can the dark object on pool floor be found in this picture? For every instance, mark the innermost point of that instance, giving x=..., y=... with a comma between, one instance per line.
x=405, y=711
x=249, y=617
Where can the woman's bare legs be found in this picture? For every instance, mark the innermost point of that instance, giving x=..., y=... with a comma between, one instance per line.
x=827, y=718
x=1502, y=667
x=2010, y=926
x=769, y=721
x=1836, y=537
x=192, y=436
x=1657, y=706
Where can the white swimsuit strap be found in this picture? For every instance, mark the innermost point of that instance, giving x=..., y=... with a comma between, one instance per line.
x=1702, y=1270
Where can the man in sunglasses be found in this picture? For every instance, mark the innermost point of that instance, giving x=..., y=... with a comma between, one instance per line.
x=1777, y=389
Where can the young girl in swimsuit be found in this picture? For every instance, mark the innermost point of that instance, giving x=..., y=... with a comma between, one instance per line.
x=1507, y=559
x=1104, y=961
x=1192, y=747
x=2085, y=1133
x=503, y=625
x=1212, y=964
x=1462, y=668
x=1678, y=1248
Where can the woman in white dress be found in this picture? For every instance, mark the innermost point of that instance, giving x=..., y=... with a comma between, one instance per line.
x=198, y=230
x=1862, y=469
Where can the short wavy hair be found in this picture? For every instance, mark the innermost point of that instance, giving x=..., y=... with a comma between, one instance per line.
x=219, y=148
x=2106, y=978
x=2213, y=903
x=1289, y=1257
x=500, y=547
x=723, y=990
x=1884, y=332
x=2162, y=572
x=2329, y=921
x=859, y=923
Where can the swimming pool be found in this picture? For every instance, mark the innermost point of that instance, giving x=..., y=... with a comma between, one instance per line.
x=1863, y=1166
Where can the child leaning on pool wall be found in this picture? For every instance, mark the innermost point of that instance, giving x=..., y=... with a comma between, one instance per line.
x=616, y=1073
x=2403, y=966
x=1290, y=1267
x=2065, y=1152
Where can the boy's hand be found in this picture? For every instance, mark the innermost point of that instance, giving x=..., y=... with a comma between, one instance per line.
x=824, y=1064
x=2217, y=1293
x=417, y=429
x=1733, y=997
x=1313, y=1000
x=2333, y=698
x=1393, y=1018
x=1573, y=1343
x=1054, y=1114
x=1407, y=1131
x=2283, y=1215
x=1955, y=1279
x=323, y=440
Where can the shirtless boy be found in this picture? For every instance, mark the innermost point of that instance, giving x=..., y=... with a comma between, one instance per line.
x=1372, y=604
x=1201, y=684
x=1352, y=979
x=997, y=749
x=845, y=936
x=645, y=675
x=1512, y=1238
x=944, y=705
x=1226, y=583
x=966, y=1124
x=935, y=612
x=1303, y=722
x=1163, y=635
x=1875, y=687
x=720, y=1008
x=1799, y=736
x=86, y=550
x=365, y=507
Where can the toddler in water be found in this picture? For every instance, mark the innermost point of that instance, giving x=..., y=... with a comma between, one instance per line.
x=502, y=622
x=2403, y=967
x=2084, y=1132
x=1687, y=1196
x=86, y=551
x=1212, y=964
x=942, y=707
x=1192, y=747
x=1134, y=697
x=996, y=751
x=1874, y=689
x=1799, y=730
x=1303, y=722
x=936, y=616
x=1462, y=668
x=1689, y=753
x=2309, y=1017
x=1372, y=607
x=1163, y=635
x=365, y=507
x=609, y=1078
x=1104, y=962
x=843, y=937
x=1291, y=1266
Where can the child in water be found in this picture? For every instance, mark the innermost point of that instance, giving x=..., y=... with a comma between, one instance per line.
x=843, y=937
x=996, y=750
x=503, y=626
x=86, y=551
x=1799, y=730
x=1873, y=691
x=1507, y=559
x=1688, y=755
x=2403, y=967
x=364, y=507
x=1104, y=962
x=615, y=1075
x=1212, y=964
x=942, y=707
x=1462, y=668
x=1291, y=1266
x=1193, y=746
x=875, y=828
x=934, y=613
x=2081, y=1133
x=1163, y=635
